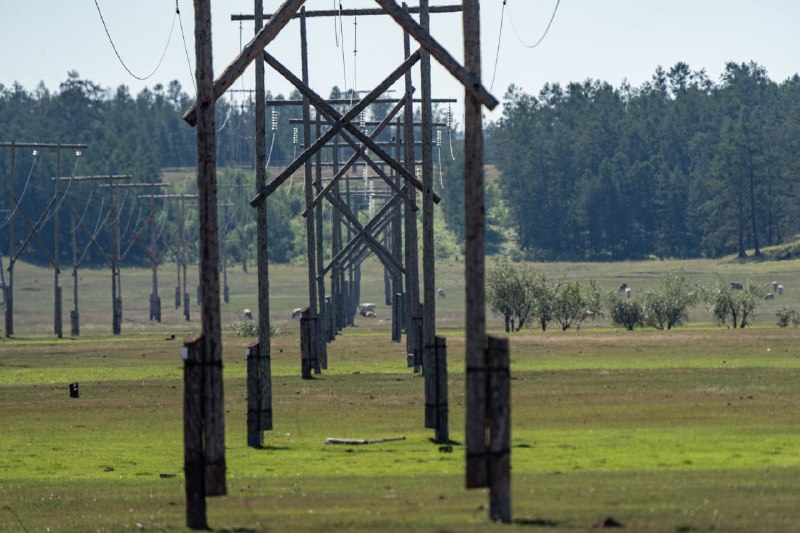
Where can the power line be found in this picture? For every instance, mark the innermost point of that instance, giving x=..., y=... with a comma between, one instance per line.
x=499, y=40
x=546, y=30
x=110, y=40
x=185, y=48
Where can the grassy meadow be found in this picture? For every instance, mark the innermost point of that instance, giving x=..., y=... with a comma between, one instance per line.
x=694, y=429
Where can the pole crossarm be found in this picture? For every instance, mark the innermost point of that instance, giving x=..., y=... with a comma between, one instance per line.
x=249, y=53
x=15, y=144
x=94, y=178
x=342, y=171
x=133, y=185
x=346, y=101
x=354, y=12
x=470, y=82
x=373, y=123
x=337, y=126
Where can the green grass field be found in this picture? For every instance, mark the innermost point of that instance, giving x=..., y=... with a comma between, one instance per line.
x=688, y=430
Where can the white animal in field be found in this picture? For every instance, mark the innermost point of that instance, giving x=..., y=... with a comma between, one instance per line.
x=774, y=286
x=248, y=314
x=780, y=289
x=628, y=292
x=441, y=293
x=363, y=308
x=297, y=313
x=769, y=296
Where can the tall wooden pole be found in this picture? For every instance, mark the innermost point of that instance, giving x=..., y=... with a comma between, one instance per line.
x=56, y=238
x=10, y=204
x=209, y=253
x=309, y=194
x=413, y=342
x=155, y=301
x=322, y=336
x=264, y=368
x=74, y=321
x=397, y=250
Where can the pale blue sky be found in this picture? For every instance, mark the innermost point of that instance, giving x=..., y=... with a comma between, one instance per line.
x=603, y=39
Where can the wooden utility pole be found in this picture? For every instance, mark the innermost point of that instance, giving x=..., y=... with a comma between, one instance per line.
x=259, y=378
x=314, y=349
x=211, y=341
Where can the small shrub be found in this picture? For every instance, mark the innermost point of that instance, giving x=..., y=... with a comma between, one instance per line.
x=786, y=316
x=625, y=312
x=245, y=328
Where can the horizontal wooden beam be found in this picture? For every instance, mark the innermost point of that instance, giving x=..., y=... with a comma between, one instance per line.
x=250, y=52
x=354, y=12
x=94, y=178
x=132, y=185
x=14, y=144
x=438, y=52
x=373, y=123
x=347, y=101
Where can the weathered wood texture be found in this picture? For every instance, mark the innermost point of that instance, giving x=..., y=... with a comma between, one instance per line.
x=311, y=249
x=474, y=219
x=264, y=366
x=442, y=404
x=249, y=52
x=499, y=425
x=214, y=423
x=193, y=454
x=307, y=334
x=254, y=434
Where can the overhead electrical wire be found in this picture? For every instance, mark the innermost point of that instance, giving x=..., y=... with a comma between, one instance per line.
x=18, y=201
x=119, y=57
x=185, y=48
x=544, y=34
x=516, y=32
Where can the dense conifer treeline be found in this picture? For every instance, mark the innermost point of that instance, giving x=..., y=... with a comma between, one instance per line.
x=680, y=167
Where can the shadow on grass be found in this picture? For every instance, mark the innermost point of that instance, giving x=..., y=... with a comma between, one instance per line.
x=271, y=448
x=535, y=522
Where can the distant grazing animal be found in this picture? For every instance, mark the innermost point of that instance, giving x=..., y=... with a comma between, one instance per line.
x=248, y=314
x=628, y=292
x=769, y=296
x=363, y=308
x=441, y=293
x=736, y=285
x=368, y=314
x=296, y=313
x=774, y=286
x=623, y=287
x=780, y=289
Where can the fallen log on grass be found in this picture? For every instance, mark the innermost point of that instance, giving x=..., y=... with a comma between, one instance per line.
x=334, y=440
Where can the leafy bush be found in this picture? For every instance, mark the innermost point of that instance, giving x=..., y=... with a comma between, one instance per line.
x=574, y=302
x=668, y=305
x=625, y=312
x=786, y=316
x=245, y=328
x=734, y=307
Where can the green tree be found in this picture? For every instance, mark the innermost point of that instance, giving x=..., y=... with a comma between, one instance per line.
x=668, y=305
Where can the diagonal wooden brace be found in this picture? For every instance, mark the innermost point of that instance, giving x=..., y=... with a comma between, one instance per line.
x=346, y=167
x=337, y=126
x=331, y=115
x=251, y=50
x=368, y=228
x=383, y=254
x=467, y=79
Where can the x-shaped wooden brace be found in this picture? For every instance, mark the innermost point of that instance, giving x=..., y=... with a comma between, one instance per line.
x=34, y=229
x=339, y=122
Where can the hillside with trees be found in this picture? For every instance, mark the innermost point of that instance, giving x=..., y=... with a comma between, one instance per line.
x=683, y=166
x=680, y=167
